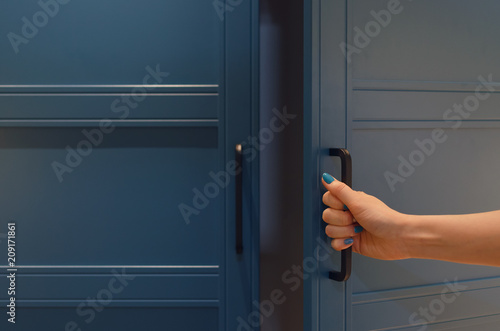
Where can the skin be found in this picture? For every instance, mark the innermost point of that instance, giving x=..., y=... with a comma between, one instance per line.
x=390, y=235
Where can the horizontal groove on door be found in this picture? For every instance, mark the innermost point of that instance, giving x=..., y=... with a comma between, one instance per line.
x=418, y=86
x=109, y=106
x=114, y=122
x=117, y=88
x=429, y=124
x=79, y=269
x=472, y=299
x=116, y=303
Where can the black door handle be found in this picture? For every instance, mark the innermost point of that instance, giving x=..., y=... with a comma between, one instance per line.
x=346, y=258
x=239, y=202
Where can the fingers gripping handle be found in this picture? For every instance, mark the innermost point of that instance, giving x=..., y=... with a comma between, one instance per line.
x=346, y=258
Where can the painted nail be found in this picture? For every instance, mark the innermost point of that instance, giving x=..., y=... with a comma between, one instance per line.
x=328, y=178
x=348, y=241
x=358, y=229
x=345, y=207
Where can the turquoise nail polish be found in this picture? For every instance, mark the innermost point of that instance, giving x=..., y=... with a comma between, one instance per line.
x=348, y=241
x=345, y=207
x=328, y=178
x=358, y=229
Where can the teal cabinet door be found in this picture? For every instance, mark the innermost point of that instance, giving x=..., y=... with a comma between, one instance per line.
x=118, y=127
x=409, y=88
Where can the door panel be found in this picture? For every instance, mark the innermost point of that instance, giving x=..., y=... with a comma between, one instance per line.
x=381, y=103
x=113, y=198
x=97, y=42
x=425, y=41
x=116, y=120
x=415, y=106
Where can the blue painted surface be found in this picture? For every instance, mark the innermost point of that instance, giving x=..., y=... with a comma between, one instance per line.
x=396, y=90
x=95, y=42
x=113, y=115
x=122, y=318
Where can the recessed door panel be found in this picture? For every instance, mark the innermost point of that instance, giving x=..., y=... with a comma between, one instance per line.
x=109, y=42
x=123, y=194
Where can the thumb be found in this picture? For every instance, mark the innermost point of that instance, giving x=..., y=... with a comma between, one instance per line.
x=339, y=189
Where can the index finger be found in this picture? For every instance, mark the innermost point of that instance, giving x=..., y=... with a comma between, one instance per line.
x=333, y=202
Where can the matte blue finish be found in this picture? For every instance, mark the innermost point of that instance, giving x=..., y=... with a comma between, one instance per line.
x=148, y=287
x=241, y=106
x=95, y=170
x=121, y=318
x=123, y=188
x=392, y=93
x=109, y=105
x=96, y=42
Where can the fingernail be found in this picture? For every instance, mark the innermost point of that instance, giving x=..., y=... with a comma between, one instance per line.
x=345, y=207
x=358, y=229
x=328, y=178
x=348, y=241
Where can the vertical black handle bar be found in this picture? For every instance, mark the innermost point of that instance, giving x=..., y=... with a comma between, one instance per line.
x=346, y=258
x=239, y=202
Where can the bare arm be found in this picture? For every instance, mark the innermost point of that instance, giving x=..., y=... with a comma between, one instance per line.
x=471, y=238
x=373, y=229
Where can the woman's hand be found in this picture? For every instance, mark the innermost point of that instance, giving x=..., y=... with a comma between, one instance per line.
x=375, y=229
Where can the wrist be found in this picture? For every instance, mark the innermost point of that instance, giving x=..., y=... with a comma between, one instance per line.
x=420, y=236
x=415, y=235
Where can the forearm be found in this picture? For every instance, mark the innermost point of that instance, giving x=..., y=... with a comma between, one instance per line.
x=470, y=238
